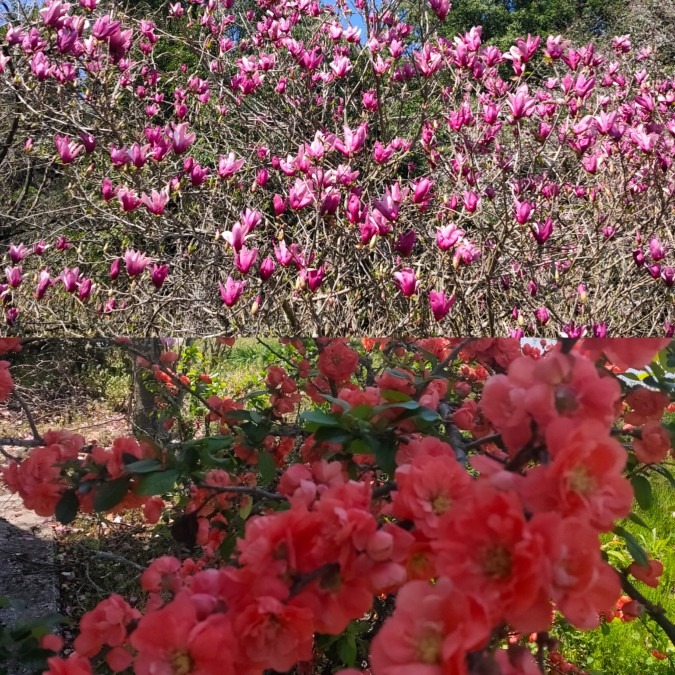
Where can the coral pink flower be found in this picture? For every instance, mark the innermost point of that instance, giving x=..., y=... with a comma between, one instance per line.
x=584, y=479
x=583, y=585
x=73, y=665
x=337, y=361
x=172, y=640
x=427, y=490
x=646, y=404
x=106, y=624
x=648, y=574
x=432, y=629
x=489, y=548
x=653, y=446
x=274, y=635
x=625, y=353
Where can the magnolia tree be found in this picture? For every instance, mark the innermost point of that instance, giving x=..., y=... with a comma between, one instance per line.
x=323, y=168
x=433, y=506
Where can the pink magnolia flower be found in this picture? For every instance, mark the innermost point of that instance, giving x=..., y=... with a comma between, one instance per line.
x=119, y=156
x=159, y=274
x=440, y=304
x=354, y=140
x=181, y=139
x=313, y=277
x=657, y=249
x=198, y=174
x=13, y=276
x=521, y=103
x=406, y=281
x=88, y=141
x=115, y=269
x=40, y=247
x=128, y=199
x=84, y=289
x=237, y=236
x=68, y=149
x=542, y=231
x=62, y=243
x=266, y=269
x=44, y=282
x=470, y=200
x=139, y=154
x=300, y=195
x=17, y=253
x=422, y=191
x=341, y=66
x=231, y=291
x=107, y=189
x=405, y=242
x=70, y=278
x=250, y=219
x=447, y=236
x=228, y=166
x=135, y=262
x=157, y=202
x=245, y=258
x=523, y=211
x=279, y=204
x=441, y=8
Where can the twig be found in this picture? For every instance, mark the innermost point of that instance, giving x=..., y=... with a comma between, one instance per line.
x=20, y=442
x=29, y=415
x=118, y=558
x=479, y=441
x=244, y=490
x=655, y=611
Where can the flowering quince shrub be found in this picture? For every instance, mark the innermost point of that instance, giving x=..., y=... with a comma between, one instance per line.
x=430, y=506
x=330, y=167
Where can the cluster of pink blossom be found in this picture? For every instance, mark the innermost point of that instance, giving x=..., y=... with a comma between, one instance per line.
x=474, y=189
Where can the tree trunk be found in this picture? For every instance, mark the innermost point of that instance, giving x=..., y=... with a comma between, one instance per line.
x=146, y=418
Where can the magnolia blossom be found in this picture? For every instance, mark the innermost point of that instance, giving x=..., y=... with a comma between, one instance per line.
x=18, y=253
x=157, y=202
x=406, y=281
x=68, y=149
x=158, y=275
x=135, y=262
x=231, y=291
x=440, y=304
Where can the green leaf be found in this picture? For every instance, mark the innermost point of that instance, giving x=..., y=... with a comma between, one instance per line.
x=665, y=473
x=143, y=466
x=320, y=418
x=393, y=395
x=331, y=435
x=384, y=454
x=109, y=494
x=338, y=401
x=361, y=412
x=346, y=649
x=637, y=552
x=266, y=468
x=359, y=447
x=245, y=508
x=643, y=491
x=67, y=507
x=238, y=415
x=157, y=483
x=637, y=520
